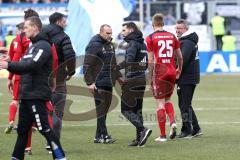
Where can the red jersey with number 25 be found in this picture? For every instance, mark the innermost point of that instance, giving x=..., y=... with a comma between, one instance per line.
x=162, y=44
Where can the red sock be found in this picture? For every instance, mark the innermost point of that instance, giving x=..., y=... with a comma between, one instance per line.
x=12, y=112
x=50, y=121
x=170, y=112
x=161, y=115
x=49, y=109
x=29, y=142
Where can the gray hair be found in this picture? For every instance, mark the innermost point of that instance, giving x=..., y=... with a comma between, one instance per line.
x=184, y=22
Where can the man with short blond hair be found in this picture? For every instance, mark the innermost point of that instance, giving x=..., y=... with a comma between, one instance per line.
x=162, y=47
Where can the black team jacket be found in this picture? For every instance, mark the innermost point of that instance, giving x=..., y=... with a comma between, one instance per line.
x=64, y=48
x=35, y=68
x=191, y=69
x=135, y=62
x=100, y=63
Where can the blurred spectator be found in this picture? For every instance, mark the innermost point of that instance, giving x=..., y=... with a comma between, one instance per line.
x=9, y=38
x=19, y=27
x=1, y=28
x=169, y=19
x=134, y=16
x=194, y=12
x=218, y=24
x=229, y=42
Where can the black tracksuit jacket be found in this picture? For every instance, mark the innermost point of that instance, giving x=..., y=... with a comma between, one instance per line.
x=191, y=69
x=100, y=65
x=35, y=68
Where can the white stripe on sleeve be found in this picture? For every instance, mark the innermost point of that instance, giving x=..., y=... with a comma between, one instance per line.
x=40, y=51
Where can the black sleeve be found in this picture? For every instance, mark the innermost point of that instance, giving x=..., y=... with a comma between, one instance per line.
x=69, y=55
x=187, y=48
x=90, y=61
x=30, y=64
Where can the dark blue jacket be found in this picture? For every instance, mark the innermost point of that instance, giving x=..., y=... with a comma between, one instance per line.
x=100, y=62
x=135, y=62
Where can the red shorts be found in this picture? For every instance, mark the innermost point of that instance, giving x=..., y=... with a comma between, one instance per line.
x=16, y=85
x=163, y=85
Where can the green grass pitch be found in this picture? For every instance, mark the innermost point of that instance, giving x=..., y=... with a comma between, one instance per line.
x=216, y=102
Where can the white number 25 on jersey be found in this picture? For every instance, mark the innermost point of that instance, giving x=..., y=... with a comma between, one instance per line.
x=165, y=45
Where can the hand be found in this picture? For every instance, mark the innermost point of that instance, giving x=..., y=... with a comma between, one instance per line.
x=178, y=73
x=68, y=78
x=3, y=65
x=10, y=85
x=120, y=81
x=92, y=88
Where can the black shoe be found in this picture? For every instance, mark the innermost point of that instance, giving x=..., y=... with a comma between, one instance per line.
x=108, y=139
x=98, y=140
x=134, y=143
x=144, y=136
x=184, y=135
x=197, y=133
x=10, y=128
x=173, y=131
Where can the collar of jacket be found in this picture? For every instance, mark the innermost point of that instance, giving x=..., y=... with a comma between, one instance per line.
x=103, y=40
x=136, y=35
x=186, y=34
x=58, y=27
x=39, y=36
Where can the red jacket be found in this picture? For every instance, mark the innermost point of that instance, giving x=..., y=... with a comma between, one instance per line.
x=17, y=49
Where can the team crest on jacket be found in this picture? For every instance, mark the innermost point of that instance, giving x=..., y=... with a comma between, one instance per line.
x=108, y=49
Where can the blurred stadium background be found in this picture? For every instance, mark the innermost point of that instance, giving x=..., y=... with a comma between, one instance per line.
x=216, y=100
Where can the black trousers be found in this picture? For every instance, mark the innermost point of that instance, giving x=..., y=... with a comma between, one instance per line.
x=132, y=103
x=103, y=99
x=219, y=42
x=35, y=111
x=189, y=119
x=59, y=101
